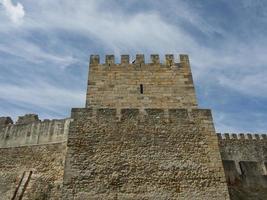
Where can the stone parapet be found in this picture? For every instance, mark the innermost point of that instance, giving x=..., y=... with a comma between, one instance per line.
x=140, y=60
x=29, y=130
x=140, y=84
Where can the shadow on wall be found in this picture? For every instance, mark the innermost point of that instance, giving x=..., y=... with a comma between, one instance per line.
x=251, y=183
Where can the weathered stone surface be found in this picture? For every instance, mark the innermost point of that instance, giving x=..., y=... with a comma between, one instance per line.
x=32, y=156
x=28, y=118
x=243, y=147
x=244, y=159
x=5, y=121
x=167, y=85
x=45, y=163
x=33, y=132
x=154, y=156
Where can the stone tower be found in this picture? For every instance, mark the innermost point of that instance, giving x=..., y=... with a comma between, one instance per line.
x=140, y=85
x=142, y=135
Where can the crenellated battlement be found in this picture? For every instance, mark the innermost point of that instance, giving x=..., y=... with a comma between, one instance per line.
x=247, y=151
x=140, y=60
x=146, y=145
x=30, y=130
x=142, y=114
x=133, y=83
x=241, y=136
x=244, y=161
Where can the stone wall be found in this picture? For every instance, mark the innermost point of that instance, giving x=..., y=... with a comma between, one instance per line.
x=32, y=156
x=29, y=130
x=245, y=163
x=157, y=154
x=32, y=172
x=243, y=147
x=139, y=84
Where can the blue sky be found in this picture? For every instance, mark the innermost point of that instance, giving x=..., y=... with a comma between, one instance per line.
x=45, y=47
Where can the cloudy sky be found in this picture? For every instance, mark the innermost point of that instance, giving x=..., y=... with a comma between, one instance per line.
x=45, y=47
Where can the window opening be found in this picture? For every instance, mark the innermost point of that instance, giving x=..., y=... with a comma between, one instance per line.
x=141, y=89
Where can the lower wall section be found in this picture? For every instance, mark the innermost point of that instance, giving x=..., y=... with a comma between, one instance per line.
x=250, y=184
x=245, y=163
x=33, y=172
x=159, y=155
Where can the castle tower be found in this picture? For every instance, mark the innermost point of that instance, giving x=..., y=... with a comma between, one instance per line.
x=142, y=136
x=139, y=84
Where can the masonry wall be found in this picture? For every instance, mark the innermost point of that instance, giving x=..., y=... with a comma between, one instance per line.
x=32, y=156
x=139, y=84
x=158, y=155
x=32, y=172
x=245, y=163
x=30, y=130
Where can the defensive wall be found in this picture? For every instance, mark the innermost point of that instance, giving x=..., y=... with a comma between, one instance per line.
x=245, y=163
x=150, y=154
x=29, y=130
x=32, y=156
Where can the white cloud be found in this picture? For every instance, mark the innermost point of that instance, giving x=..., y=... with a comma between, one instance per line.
x=33, y=53
x=16, y=12
x=248, y=84
x=41, y=94
x=117, y=30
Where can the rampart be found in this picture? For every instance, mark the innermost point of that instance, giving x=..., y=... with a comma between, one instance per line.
x=140, y=85
x=245, y=163
x=144, y=154
x=32, y=156
x=32, y=172
x=29, y=130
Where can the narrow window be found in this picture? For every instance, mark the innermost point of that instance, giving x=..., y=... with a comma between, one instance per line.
x=241, y=168
x=141, y=89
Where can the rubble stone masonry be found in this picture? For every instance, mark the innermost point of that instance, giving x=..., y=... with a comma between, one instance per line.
x=32, y=156
x=151, y=156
